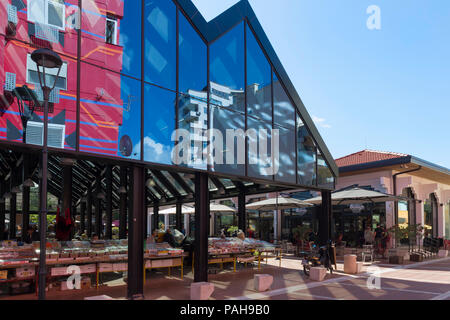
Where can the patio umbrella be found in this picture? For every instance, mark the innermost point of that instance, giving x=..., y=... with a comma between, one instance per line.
x=213, y=208
x=279, y=203
x=184, y=210
x=357, y=196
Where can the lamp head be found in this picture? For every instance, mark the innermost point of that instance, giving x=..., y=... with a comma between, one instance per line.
x=46, y=58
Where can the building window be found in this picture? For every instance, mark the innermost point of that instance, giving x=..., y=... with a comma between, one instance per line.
x=47, y=12
x=111, y=30
x=50, y=75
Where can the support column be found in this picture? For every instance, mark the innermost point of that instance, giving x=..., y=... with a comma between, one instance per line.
x=82, y=217
x=325, y=212
x=178, y=215
x=2, y=211
x=166, y=222
x=123, y=204
x=12, y=216
x=135, y=237
x=201, y=227
x=109, y=209
x=98, y=207
x=74, y=218
x=25, y=195
x=155, y=216
x=67, y=196
x=242, y=213
x=89, y=213
x=186, y=225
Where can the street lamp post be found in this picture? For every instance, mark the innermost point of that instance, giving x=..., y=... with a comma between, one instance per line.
x=44, y=58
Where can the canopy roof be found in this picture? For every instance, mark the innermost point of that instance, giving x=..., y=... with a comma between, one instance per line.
x=357, y=195
x=279, y=203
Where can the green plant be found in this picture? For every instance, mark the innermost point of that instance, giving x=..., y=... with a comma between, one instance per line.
x=300, y=232
x=232, y=230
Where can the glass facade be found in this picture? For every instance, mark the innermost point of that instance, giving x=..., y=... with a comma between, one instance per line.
x=135, y=71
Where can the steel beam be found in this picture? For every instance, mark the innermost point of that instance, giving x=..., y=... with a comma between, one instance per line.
x=136, y=237
x=109, y=205
x=201, y=227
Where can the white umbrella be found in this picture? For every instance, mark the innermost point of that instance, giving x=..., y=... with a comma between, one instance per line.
x=213, y=208
x=184, y=210
x=279, y=203
x=356, y=196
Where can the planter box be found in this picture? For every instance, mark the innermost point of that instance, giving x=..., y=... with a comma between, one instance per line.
x=396, y=259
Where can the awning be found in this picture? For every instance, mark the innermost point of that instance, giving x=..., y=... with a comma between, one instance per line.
x=280, y=203
x=357, y=195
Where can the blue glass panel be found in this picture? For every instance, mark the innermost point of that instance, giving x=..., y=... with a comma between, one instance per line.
x=160, y=43
x=193, y=58
x=283, y=109
x=111, y=35
x=223, y=120
x=286, y=159
x=306, y=152
x=325, y=178
x=193, y=117
x=260, y=153
x=130, y=129
x=159, y=116
x=259, y=80
x=227, y=66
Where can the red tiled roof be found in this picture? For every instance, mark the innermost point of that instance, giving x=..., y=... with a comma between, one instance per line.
x=367, y=156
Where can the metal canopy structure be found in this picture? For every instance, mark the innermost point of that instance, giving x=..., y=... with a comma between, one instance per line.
x=164, y=187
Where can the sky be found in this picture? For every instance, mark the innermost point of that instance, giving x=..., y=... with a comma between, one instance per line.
x=386, y=89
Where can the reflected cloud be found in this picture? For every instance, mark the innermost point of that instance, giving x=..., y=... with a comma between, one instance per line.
x=154, y=152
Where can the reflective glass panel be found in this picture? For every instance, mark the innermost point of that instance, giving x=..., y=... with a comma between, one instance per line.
x=259, y=79
x=283, y=109
x=230, y=156
x=193, y=58
x=259, y=135
x=110, y=113
x=159, y=117
x=306, y=155
x=227, y=69
x=325, y=178
x=111, y=35
x=160, y=43
x=286, y=160
x=193, y=117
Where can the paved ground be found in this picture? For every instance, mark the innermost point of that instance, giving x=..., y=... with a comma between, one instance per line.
x=412, y=281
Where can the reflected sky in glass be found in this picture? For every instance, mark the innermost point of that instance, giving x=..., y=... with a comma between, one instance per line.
x=130, y=130
x=193, y=58
x=283, y=109
x=227, y=67
x=160, y=43
x=159, y=123
x=306, y=152
x=259, y=89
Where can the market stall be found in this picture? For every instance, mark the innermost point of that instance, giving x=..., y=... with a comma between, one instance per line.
x=18, y=264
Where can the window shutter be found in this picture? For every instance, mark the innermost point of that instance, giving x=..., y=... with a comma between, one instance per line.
x=35, y=133
x=56, y=135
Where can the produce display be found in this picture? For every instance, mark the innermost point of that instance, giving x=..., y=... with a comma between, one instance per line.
x=65, y=252
x=236, y=245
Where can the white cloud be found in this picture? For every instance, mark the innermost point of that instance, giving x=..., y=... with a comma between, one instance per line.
x=321, y=122
x=155, y=152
